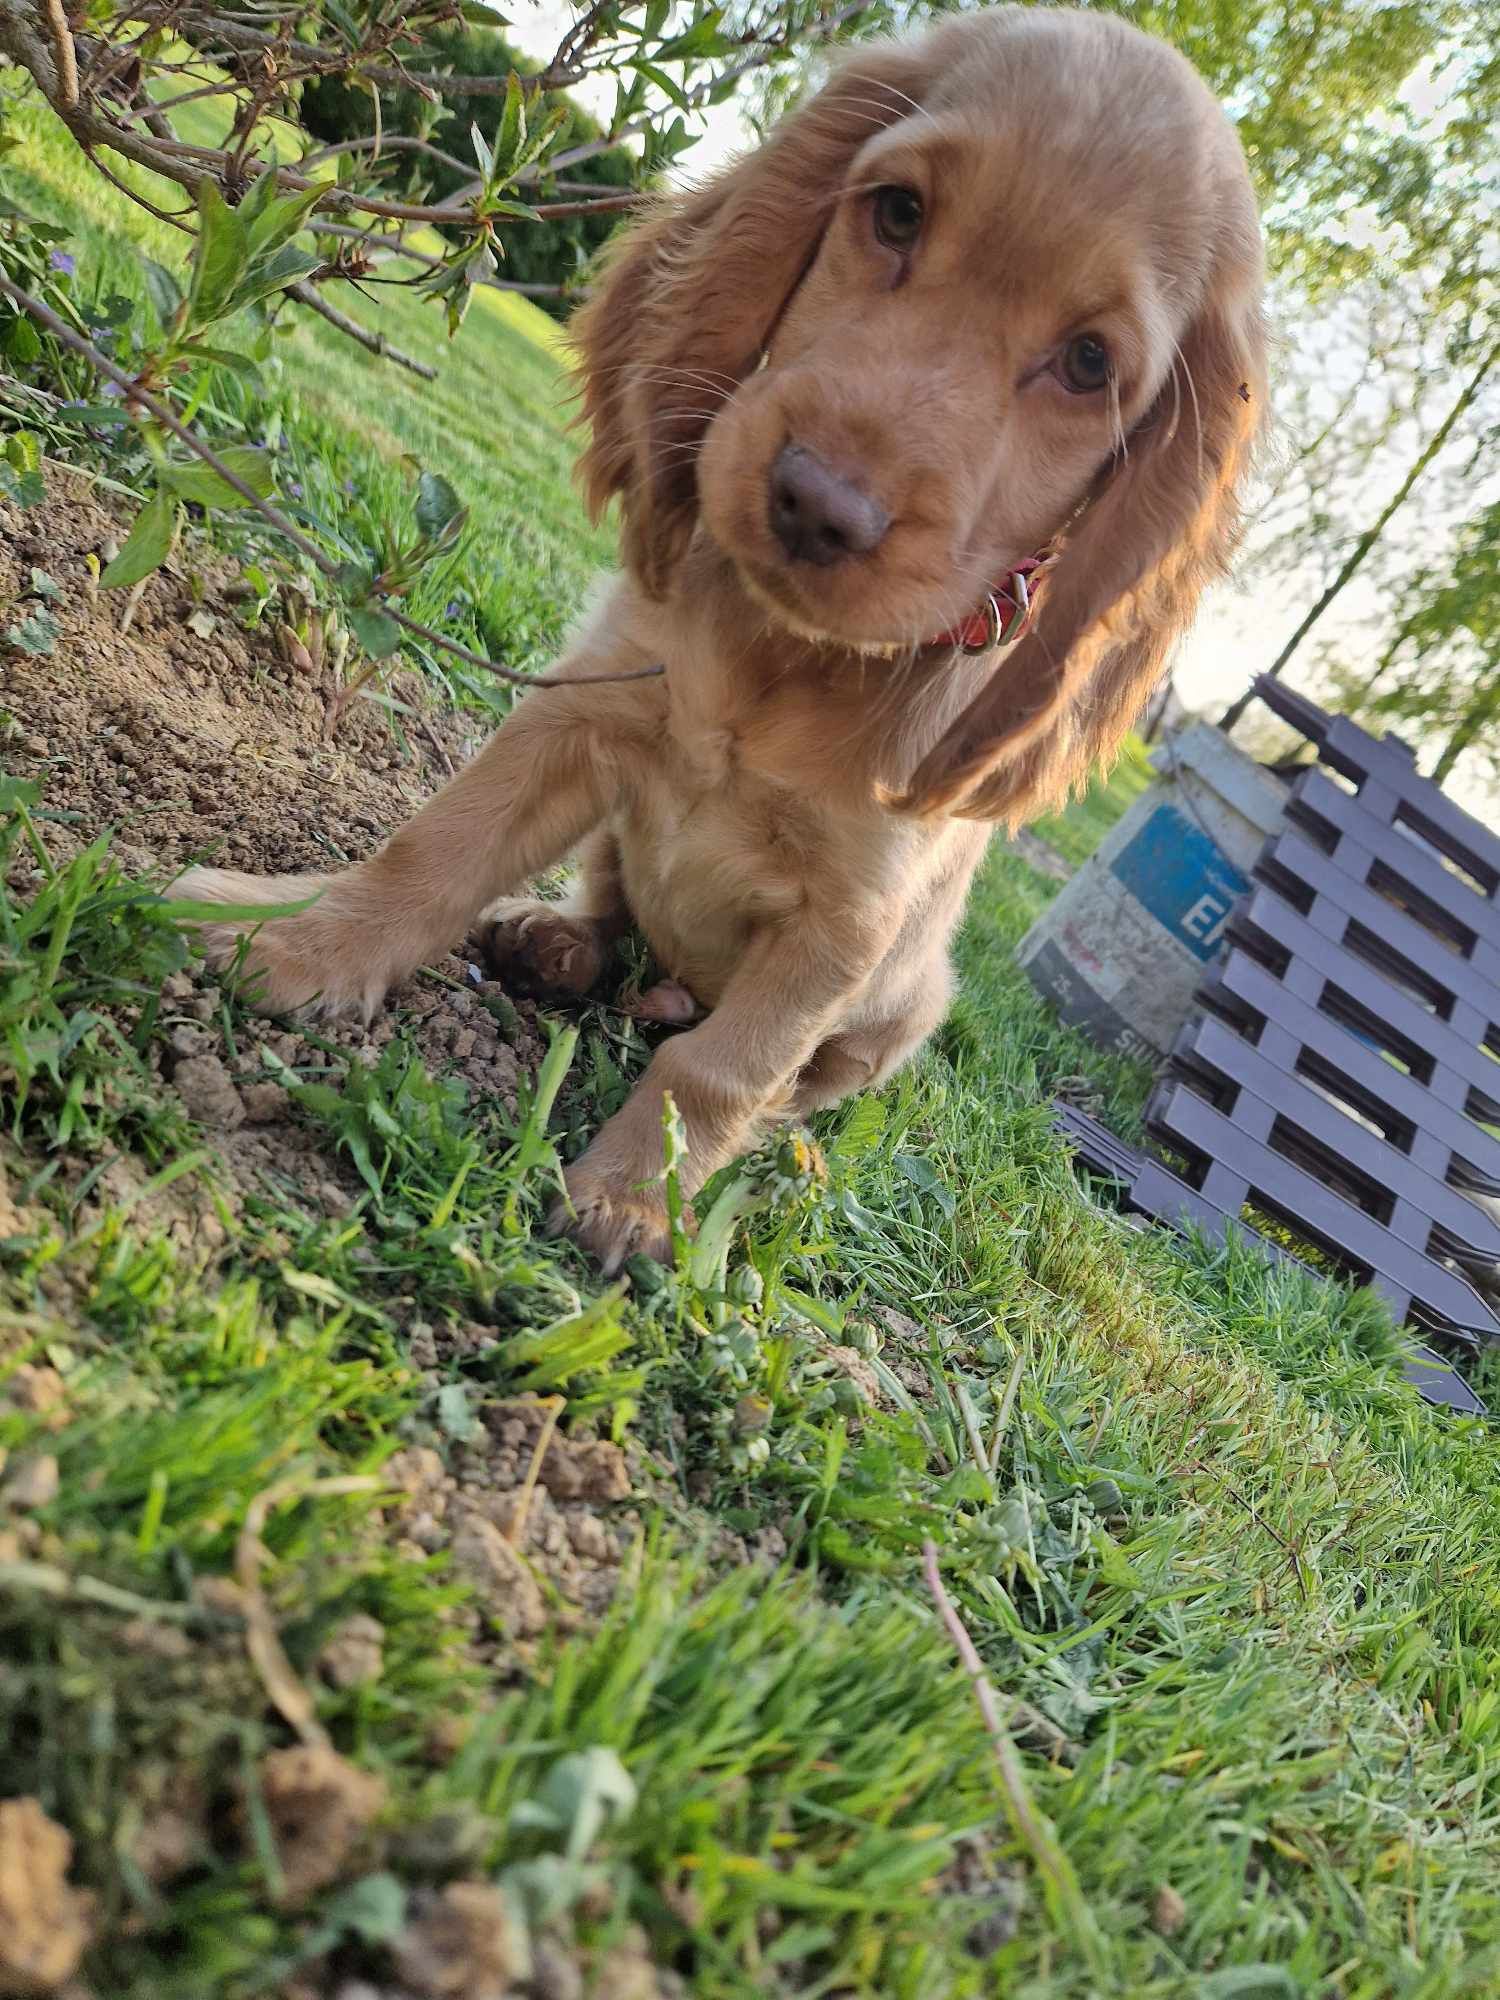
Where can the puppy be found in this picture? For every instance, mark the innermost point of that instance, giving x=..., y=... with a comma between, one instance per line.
x=927, y=422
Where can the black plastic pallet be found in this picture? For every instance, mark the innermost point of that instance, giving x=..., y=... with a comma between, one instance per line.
x=1343, y=1078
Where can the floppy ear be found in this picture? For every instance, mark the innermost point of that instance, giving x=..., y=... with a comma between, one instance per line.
x=1158, y=529
x=689, y=297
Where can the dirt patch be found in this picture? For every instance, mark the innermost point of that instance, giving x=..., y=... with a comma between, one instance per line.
x=194, y=739
x=542, y=1540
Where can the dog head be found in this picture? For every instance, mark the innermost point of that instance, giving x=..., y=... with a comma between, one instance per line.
x=988, y=292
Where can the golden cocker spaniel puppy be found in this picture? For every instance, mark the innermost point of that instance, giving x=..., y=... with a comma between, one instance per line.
x=926, y=421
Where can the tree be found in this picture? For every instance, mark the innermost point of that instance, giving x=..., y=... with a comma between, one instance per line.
x=1441, y=667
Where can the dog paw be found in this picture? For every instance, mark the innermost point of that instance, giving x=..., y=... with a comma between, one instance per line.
x=312, y=963
x=613, y=1224
x=542, y=952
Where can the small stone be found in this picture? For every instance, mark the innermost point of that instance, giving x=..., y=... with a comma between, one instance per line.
x=591, y=1470
x=167, y=1843
x=39, y=1390
x=33, y=1483
x=265, y=1103
x=588, y=1537
x=44, y=1921
x=505, y=1586
x=352, y=1656
x=208, y=1093
x=464, y=1946
x=465, y=1041
x=177, y=986
x=1168, y=1912
x=554, y=1973
x=422, y=1343
x=149, y=1635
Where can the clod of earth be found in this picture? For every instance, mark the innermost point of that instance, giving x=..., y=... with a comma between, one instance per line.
x=464, y=1945
x=352, y=1655
x=319, y=1805
x=504, y=1585
x=1168, y=1912
x=44, y=1921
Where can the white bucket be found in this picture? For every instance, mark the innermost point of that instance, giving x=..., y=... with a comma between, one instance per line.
x=1122, y=950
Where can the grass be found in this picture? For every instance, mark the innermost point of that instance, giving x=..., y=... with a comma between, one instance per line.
x=1236, y=1587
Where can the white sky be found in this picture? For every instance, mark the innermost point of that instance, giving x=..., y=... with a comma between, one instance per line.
x=1238, y=632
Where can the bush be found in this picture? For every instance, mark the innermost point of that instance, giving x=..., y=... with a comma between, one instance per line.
x=556, y=254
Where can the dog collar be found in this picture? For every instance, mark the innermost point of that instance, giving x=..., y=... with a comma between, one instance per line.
x=1005, y=612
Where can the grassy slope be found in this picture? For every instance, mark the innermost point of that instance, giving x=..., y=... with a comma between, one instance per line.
x=1250, y=1579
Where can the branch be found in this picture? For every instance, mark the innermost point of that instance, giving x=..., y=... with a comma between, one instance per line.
x=136, y=394
x=1373, y=533
x=1032, y=1829
x=64, y=53
x=374, y=343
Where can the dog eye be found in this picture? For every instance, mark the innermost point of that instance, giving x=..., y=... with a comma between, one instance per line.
x=898, y=217
x=1085, y=364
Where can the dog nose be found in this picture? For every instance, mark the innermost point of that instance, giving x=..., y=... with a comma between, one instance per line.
x=817, y=515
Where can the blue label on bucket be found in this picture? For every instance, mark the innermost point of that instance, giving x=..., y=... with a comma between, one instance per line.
x=1174, y=870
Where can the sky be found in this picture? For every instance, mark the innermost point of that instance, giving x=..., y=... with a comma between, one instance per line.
x=1239, y=630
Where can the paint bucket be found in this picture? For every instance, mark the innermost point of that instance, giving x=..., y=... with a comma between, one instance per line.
x=1122, y=950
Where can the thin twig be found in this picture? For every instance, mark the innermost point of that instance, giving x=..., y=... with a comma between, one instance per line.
x=421, y=631
x=1031, y=1827
x=374, y=343
x=262, y=1643
x=47, y=1580
x=63, y=53
x=135, y=393
x=552, y=1407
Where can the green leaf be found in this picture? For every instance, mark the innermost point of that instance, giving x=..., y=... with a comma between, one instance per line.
x=668, y=86
x=437, y=505
x=510, y=135
x=36, y=635
x=22, y=342
x=702, y=39
x=24, y=489
x=455, y=1418
x=280, y=219
x=148, y=544
x=273, y=274
x=23, y=452
x=225, y=357
x=219, y=257
x=375, y=630
x=499, y=206
x=372, y=1910
x=162, y=289
x=188, y=910
x=580, y=1797
x=199, y=482
x=482, y=152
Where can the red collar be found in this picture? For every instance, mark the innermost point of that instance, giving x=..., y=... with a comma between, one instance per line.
x=1005, y=613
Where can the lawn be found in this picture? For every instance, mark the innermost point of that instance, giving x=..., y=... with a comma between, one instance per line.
x=697, y=1716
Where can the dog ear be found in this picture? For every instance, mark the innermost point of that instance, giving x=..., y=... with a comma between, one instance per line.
x=1158, y=529
x=688, y=298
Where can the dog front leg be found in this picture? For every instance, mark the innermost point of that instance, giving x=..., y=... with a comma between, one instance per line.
x=545, y=778
x=728, y=1078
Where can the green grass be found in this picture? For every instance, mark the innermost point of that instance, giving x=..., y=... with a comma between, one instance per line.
x=1235, y=1586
